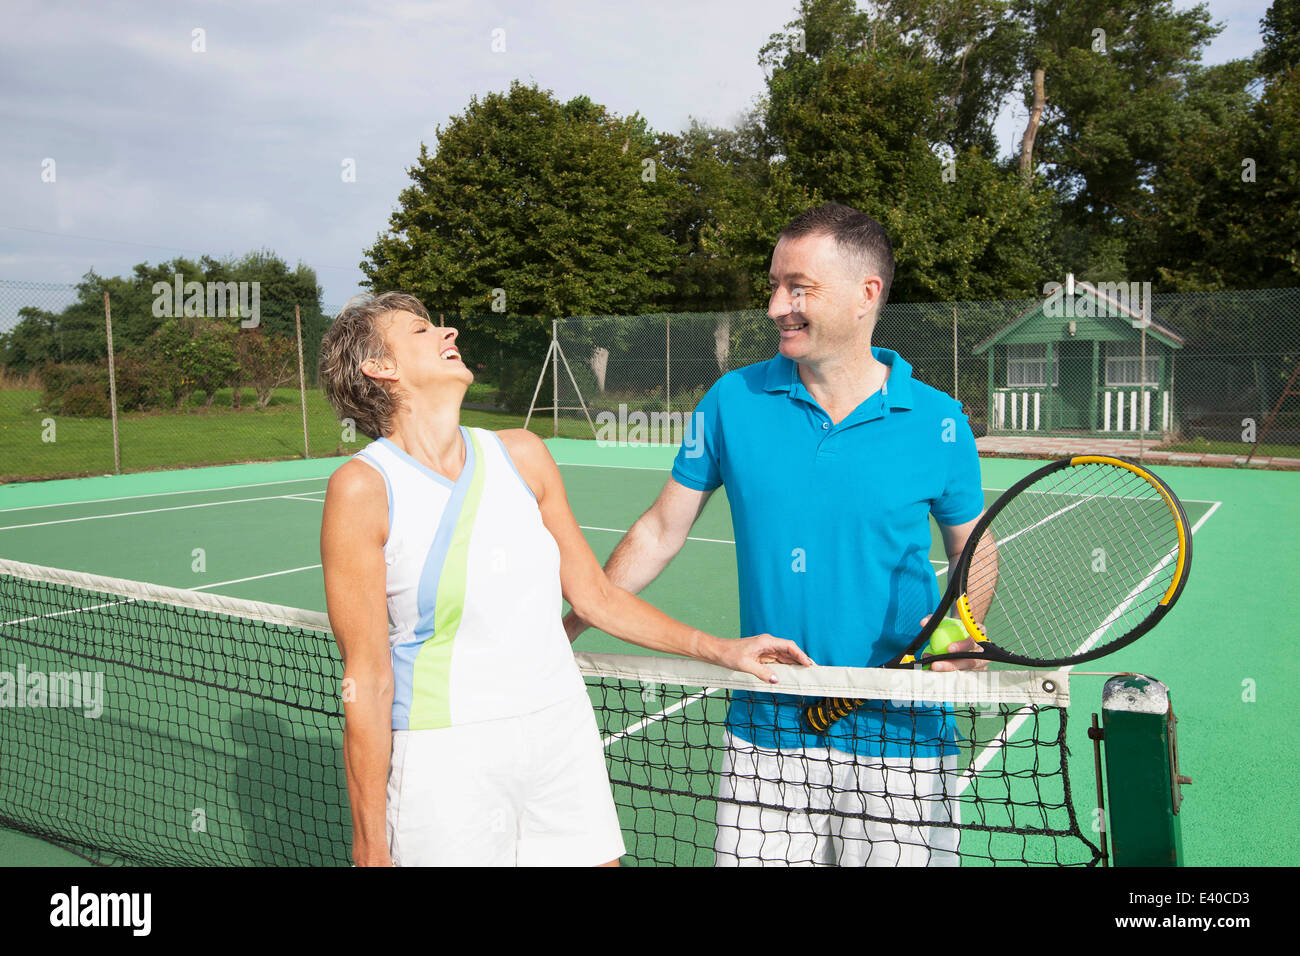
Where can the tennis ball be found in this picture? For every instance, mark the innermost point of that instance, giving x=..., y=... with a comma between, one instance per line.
x=946, y=633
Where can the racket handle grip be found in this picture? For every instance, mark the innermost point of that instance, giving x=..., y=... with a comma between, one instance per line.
x=820, y=716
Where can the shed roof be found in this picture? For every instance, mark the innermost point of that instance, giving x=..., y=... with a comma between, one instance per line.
x=1117, y=308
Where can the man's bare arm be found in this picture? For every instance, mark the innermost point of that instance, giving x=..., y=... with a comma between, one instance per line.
x=955, y=538
x=650, y=543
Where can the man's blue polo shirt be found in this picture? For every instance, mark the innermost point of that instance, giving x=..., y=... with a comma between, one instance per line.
x=832, y=532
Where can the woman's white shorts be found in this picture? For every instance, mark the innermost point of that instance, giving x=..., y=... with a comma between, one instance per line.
x=519, y=791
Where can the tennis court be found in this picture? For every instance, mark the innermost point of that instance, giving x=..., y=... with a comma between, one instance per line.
x=251, y=532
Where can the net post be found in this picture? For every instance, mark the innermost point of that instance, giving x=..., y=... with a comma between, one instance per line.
x=1142, y=768
x=112, y=382
x=1096, y=735
x=302, y=380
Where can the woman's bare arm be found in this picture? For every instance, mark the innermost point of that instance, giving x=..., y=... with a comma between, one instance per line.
x=354, y=530
x=597, y=600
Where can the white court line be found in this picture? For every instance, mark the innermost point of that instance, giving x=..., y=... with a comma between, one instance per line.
x=583, y=464
x=319, y=501
x=164, y=494
x=149, y=511
x=1014, y=724
x=255, y=577
x=1195, y=501
x=653, y=718
x=1039, y=523
x=587, y=527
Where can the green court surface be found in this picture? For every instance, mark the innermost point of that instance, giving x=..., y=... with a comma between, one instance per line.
x=251, y=531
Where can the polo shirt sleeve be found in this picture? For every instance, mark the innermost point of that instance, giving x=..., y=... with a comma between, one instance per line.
x=699, y=459
x=962, y=498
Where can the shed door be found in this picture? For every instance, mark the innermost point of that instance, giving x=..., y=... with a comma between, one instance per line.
x=1075, y=392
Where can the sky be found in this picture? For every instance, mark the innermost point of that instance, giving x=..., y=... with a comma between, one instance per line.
x=161, y=141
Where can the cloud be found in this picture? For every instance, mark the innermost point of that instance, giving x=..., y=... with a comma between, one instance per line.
x=240, y=147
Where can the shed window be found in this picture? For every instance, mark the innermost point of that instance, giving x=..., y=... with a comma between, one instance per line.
x=1124, y=362
x=1027, y=365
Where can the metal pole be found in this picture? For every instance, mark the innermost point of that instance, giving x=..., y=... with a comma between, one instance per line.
x=112, y=383
x=954, y=352
x=555, y=376
x=668, y=363
x=537, y=390
x=1096, y=735
x=1142, y=379
x=302, y=381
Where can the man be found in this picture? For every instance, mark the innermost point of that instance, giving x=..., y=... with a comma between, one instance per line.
x=834, y=458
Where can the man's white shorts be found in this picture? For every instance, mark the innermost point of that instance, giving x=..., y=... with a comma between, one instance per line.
x=810, y=788
x=520, y=791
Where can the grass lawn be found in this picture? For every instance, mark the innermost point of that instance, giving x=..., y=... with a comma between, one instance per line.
x=220, y=435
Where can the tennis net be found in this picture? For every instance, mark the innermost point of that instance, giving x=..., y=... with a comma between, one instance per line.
x=148, y=725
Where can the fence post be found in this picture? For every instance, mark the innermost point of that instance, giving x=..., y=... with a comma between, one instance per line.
x=555, y=377
x=954, y=353
x=1142, y=380
x=112, y=382
x=302, y=381
x=668, y=363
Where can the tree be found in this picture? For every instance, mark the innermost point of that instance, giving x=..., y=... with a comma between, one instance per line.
x=733, y=202
x=972, y=47
x=1225, y=210
x=534, y=209
x=33, y=340
x=77, y=334
x=195, y=355
x=265, y=361
x=1281, y=35
x=1110, y=78
x=857, y=106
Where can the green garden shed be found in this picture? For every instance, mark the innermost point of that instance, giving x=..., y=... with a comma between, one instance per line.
x=1072, y=364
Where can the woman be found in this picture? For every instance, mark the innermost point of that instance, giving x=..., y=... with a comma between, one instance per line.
x=469, y=735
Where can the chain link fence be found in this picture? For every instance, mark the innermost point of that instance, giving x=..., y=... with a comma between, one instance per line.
x=1216, y=365
x=214, y=382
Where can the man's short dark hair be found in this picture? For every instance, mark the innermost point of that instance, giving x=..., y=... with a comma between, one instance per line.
x=862, y=239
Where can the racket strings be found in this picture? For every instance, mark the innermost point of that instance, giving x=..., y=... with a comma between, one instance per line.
x=1075, y=561
x=1087, y=581
x=1084, y=582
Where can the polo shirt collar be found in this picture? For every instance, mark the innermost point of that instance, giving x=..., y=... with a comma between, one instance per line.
x=783, y=376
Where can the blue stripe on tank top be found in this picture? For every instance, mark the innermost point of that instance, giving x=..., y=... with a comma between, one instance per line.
x=426, y=597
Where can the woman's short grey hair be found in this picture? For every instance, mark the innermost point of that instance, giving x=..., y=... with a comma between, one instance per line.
x=354, y=337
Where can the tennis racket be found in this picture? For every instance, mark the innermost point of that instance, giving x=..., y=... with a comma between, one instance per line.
x=1074, y=561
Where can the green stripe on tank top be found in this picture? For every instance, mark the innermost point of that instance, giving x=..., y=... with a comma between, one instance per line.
x=431, y=683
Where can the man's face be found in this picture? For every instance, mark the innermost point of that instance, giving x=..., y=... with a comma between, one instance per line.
x=425, y=354
x=817, y=301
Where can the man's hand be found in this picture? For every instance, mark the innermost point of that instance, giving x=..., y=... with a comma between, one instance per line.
x=749, y=654
x=957, y=647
